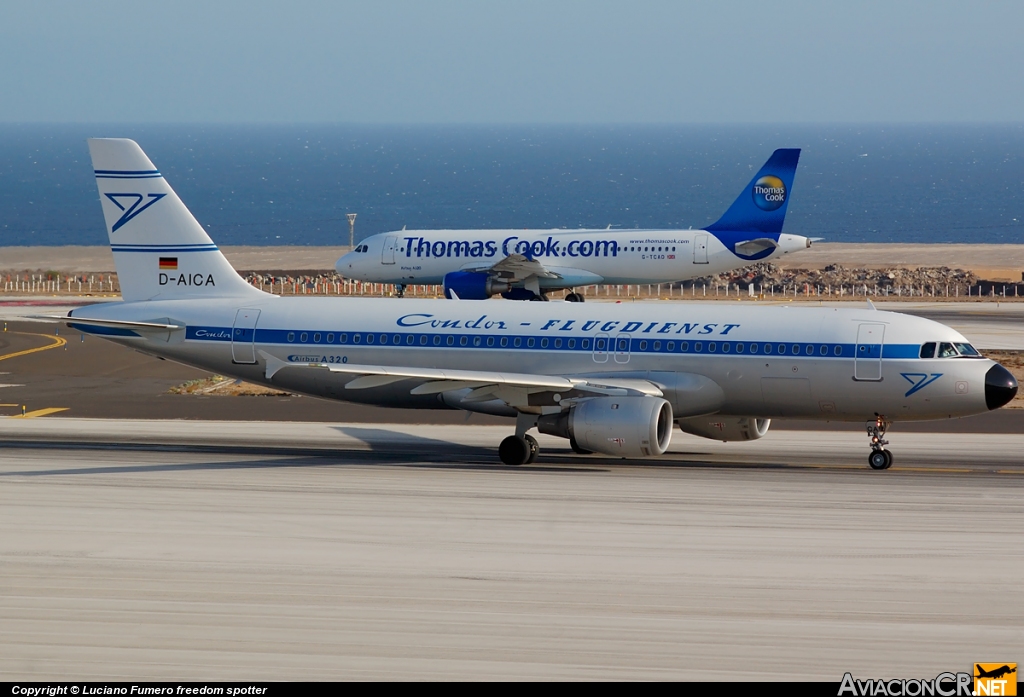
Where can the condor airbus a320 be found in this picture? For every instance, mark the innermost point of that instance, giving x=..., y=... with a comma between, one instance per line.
x=527, y=264
x=610, y=378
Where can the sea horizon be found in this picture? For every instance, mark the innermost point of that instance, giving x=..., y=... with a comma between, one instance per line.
x=292, y=184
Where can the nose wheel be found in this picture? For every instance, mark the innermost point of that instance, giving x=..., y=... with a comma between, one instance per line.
x=880, y=458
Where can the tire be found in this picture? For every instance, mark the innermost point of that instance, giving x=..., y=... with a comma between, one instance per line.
x=574, y=298
x=879, y=460
x=888, y=458
x=514, y=451
x=534, y=448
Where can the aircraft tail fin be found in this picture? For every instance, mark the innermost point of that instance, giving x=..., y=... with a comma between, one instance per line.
x=161, y=252
x=762, y=205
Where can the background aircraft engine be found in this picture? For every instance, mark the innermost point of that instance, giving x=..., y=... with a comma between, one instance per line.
x=726, y=428
x=620, y=426
x=473, y=285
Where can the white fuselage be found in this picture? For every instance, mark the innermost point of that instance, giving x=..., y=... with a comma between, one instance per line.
x=578, y=257
x=770, y=361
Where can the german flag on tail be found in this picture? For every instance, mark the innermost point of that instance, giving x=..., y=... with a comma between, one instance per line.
x=168, y=263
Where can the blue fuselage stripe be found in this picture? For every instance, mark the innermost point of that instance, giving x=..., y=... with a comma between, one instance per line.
x=308, y=339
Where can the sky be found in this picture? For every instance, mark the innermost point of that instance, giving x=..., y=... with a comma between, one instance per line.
x=494, y=62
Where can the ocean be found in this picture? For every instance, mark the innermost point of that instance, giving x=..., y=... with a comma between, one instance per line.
x=293, y=184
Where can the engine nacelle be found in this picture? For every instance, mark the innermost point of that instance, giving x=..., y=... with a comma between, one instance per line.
x=473, y=285
x=622, y=426
x=725, y=428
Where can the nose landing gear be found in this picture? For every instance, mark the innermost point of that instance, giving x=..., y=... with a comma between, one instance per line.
x=880, y=458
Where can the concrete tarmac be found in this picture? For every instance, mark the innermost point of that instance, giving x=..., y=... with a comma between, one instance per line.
x=305, y=551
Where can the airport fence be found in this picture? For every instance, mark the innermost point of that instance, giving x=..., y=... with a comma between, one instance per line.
x=105, y=284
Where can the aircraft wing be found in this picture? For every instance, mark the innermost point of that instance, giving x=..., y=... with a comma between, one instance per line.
x=512, y=388
x=516, y=267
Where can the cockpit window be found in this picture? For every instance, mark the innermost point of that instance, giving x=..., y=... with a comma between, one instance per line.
x=967, y=350
x=946, y=350
x=928, y=350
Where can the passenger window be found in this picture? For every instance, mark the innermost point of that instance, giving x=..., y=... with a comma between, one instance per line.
x=437, y=341
x=725, y=348
x=586, y=343
x=291, y=336
x=383, y=338
x=684, y=345
x=946, y=350
x=504, y=341
x=316, y=338
x=423, y=339
x=519, y=342
x=739, y=348
x=657, y=345
x=670, y=346
x=823, y=350
x=544, y=343
x=711, y=347
x=838, y=350
x=302, y=337
x=355, y=338
x=369, y=338
x=928, y=350
x=451, y=340
x=571, y=344
x=643, y=345
x=463, y=341
x=490, y=341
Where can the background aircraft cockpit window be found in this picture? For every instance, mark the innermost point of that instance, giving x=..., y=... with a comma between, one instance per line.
x=928, y=350
x=946, y=350
x=967, y=350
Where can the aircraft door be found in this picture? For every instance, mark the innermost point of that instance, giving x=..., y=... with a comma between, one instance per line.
x=622, y=342
x=243, y=336
x=387, y=252
x=867, y=354
x=700, y=249
x=601, y=348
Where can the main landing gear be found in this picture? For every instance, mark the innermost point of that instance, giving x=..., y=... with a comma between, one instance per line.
x=574, y=297
x=522, y=448
x=880, y=458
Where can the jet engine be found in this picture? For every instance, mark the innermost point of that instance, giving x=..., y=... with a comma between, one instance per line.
x=725, y=428
x=473, y=285
x=638, y=426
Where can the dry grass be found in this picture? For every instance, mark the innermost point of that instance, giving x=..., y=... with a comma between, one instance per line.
x=220, y=386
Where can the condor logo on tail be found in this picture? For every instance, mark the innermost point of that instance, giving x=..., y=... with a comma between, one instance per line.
x=131, y=206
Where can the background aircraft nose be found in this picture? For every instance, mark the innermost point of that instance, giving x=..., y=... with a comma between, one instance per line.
x=1000, y=386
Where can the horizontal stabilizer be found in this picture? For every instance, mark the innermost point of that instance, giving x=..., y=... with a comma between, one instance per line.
x=752, y=247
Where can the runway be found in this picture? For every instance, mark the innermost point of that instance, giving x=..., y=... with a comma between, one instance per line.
x=301, y=551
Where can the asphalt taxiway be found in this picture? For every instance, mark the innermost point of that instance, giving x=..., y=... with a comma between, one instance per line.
x=305, y=551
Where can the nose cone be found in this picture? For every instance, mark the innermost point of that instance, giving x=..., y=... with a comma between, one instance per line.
x=343, y=264
x=1000, y=386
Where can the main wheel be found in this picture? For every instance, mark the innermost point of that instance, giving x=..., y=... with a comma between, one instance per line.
x=534, y=448
x=574, y=298
x=879, y=459
x=888, y=458
x=514, y=451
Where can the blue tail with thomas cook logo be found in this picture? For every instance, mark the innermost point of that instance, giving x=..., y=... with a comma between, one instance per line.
x=160, y=251
x=761, y=208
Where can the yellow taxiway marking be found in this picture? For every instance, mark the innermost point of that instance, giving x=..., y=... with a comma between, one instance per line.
x=39, y=412
x=57, y=343
x=10, y=405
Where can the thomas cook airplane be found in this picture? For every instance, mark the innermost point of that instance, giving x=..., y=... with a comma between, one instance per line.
x=611, y=378
x=527, y=264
